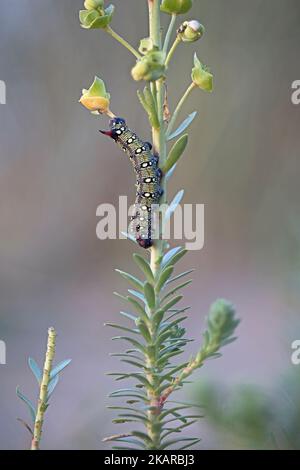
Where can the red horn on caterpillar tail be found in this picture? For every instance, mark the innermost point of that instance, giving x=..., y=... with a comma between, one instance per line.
x=108, y=133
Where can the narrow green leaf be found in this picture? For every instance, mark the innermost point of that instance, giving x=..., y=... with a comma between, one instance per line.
x=137, y=417
x=172, y=302
x=166, y=413
x=145, y=267
x=139, y=309
x=171, y=172
x=177, y=312
x=125, y=408
x=169, y=254
x=196, y=441
x=169, y=326
x=128, y=315
x=123, y=420
x=35, y=369
x=183, y=126
x=133, y=363
x=132, y=341
x=122, y=448
x=59, y=368
x=52, y=385
x=129, y=441
x=116, y=374
x=192, y=441
x=137, y=294
x=123, y=328
x=177, y=257
x=126, y=391
x=150, y=295
x=136, y=305
x=173, y=371
x=173, y=206
x=28, y=403
x=131, y=356
x=143, y=330
x=149, y=106
x=152, y=110
x=26, y=425
x=133, y=280
x=142, y=100
x=142, y=398
x=158, y=317
x=178, y=429
x=174, y=345
x=144, y=437
x=180, y=276
x=164, y=360
x=181, y=418
x=131, y=351
x=141, y=379
x=177, y=288
x=120, y=296
x=175, y=153
x=163, y=278
x=149, y=99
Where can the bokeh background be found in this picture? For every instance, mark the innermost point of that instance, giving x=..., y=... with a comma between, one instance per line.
x=55, y=169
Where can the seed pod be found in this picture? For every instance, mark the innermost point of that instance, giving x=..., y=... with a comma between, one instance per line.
x=201, y=76
x=151, y=67
x=93, y=4
x=191, y=31
x=176, y=7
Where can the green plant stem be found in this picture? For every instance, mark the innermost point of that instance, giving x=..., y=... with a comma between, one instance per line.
x=159, y=143
x=154, y=22
x=185, y=373
x=42, y=403
x=169, y=33
x=172, y=50
x=178, y=108
x=122, y=41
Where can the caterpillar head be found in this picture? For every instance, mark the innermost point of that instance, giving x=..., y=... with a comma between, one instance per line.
x=144, y=243
x=117, y=123
x=116, y=126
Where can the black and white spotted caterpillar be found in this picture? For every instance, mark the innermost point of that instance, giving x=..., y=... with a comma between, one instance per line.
x=148, y=177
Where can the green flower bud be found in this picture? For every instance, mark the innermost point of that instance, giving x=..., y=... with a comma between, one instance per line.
x=191, y=31
x=96, y=19
x=222, y=322
x=151, y=67
x=146, y=45
x=221, y=315
x=93, y=4
x=201, y=76
x=96, y=97
x=177, y=7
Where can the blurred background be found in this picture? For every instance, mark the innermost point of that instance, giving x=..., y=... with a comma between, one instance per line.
x=55, y=169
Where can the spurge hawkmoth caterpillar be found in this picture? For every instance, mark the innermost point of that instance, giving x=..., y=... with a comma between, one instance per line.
x=148, y=177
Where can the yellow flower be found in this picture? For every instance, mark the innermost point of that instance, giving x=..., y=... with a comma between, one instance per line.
x=95, y=103
x=96, y=97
